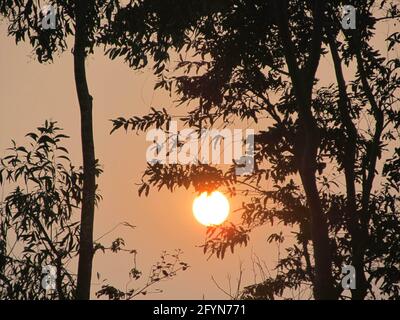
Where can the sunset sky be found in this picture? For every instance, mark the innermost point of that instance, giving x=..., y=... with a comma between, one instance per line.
x=264, y=133
x=30, y=93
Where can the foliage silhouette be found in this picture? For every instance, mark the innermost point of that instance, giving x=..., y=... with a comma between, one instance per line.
x=83, y=21
x=165, y=269
x=39, y=223
x=327, y=161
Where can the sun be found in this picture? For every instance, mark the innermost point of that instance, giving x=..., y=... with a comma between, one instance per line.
x=211, y=209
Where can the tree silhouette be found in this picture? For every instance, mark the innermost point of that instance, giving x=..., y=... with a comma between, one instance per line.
x=37, y=222
x=39, y=225
x=166, y=268
x=330, y=152
x=83, y=20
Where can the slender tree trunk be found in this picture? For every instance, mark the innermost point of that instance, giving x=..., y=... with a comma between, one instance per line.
x=306, y=155
x=349, y=167
x=373, y=154
x=308, y=141
x=89, y=170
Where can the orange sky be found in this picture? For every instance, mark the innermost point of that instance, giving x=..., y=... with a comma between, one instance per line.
x=31, y=93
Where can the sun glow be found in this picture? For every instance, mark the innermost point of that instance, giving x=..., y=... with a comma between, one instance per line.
x=211, y=209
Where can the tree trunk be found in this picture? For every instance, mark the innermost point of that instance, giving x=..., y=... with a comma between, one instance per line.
x=349, y=161
x=371, y=163
x=308, y=141
x=306, y=155
x=89, y=169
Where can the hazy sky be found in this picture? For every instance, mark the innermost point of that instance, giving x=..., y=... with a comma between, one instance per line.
x=30, y=93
